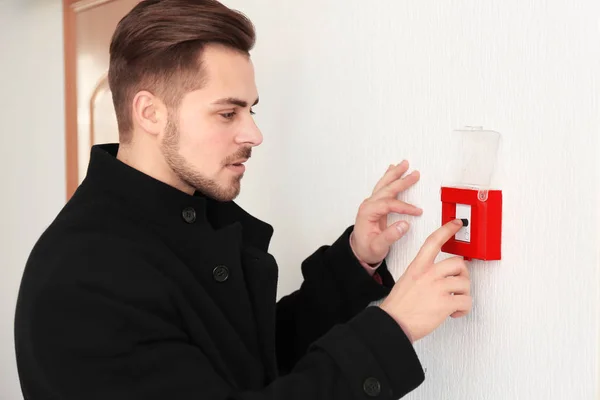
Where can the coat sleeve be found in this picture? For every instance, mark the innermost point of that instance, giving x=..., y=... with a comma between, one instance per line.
x=335, y=288
x=94, y=339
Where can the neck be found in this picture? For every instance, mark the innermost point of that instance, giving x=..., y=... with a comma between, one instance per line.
x=150, y=161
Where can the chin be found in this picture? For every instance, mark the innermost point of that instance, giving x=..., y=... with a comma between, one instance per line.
x=225, y=193
x=223, y=188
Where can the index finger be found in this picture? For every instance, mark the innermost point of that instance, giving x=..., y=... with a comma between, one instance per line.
x=433, y=244
x=393, y=173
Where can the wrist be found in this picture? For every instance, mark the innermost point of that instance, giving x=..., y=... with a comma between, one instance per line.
x=371, y=268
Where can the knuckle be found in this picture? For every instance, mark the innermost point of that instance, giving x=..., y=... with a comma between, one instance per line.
x=430, y=274
x=460, y=264
x=430, y=244
x=377, y=207
x=435, y=237
x=439, y=287
x=469, y=303
x=398, y=183
x=374, y=246
x=464, y=267
x=412, y=274
x=467, y=287
x=459, y=260
x=403, y=205
x=429, y=241
x=364, y=206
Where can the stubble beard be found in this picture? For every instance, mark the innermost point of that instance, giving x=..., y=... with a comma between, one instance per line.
x=186, y=173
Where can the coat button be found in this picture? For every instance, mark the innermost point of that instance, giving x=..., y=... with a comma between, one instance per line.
x=372, y=387
x=221, y=273
x=189, y=215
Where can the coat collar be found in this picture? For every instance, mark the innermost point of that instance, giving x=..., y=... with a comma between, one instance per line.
x=164, y=203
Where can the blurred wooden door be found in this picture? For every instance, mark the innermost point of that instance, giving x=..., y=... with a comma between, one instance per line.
x=90, y=116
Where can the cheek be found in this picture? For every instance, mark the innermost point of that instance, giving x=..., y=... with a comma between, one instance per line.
x=203, y=143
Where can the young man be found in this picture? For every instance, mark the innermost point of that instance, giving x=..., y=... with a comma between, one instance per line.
x=153, y=284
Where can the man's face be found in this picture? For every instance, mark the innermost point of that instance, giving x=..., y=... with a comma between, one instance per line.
x=213, y=133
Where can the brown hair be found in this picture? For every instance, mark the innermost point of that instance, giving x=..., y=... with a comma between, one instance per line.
x=158, y=46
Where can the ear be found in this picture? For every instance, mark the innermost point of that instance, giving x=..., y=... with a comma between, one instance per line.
x=149, y=113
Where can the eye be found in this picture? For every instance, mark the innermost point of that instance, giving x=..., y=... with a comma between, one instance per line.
x=228, y=115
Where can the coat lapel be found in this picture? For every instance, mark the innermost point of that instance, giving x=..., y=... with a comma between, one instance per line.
x=260, y=272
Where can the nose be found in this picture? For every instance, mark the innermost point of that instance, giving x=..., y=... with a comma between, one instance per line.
x=250, y=134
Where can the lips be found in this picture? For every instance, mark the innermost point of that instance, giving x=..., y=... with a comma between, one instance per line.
x=237, y=167
x=239, y=162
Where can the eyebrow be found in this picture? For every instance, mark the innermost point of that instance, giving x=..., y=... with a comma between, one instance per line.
x=234, y=101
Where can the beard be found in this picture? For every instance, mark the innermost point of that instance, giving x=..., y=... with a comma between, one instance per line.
x=225, y=191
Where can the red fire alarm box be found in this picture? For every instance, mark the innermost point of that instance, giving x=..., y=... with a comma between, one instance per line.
x=482, y=209
x=466, y=194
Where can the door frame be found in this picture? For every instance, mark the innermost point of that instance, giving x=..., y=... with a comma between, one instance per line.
x=70, y=10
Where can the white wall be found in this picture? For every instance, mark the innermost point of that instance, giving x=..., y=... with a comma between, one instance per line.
x=349, y=86
x=31, y=151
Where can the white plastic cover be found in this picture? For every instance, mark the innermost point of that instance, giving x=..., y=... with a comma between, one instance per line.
x=472, y=158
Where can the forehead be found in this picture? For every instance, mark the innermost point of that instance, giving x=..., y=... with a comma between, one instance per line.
x=228, y=72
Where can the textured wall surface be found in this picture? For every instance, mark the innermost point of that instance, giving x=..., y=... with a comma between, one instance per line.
x=348, y=87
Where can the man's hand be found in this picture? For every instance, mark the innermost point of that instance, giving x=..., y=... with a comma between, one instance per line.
x=371, y=238
x=427, y=293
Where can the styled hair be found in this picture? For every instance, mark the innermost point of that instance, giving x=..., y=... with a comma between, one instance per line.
x=158, y=47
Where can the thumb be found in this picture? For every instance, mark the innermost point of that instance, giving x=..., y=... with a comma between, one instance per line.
x=391, y=234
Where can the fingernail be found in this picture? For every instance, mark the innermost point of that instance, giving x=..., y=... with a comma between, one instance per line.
x=402, y=227
x=458, y=222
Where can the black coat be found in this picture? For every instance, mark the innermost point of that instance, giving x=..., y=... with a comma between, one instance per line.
x=140, y=291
